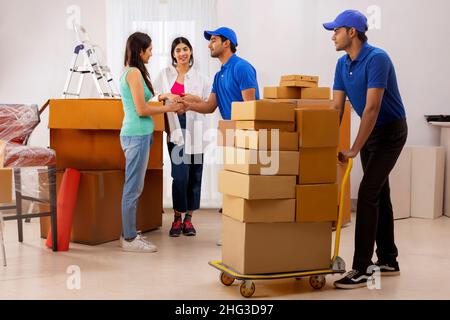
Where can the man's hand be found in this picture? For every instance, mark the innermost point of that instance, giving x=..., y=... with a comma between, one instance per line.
x=345, y=155
x=191, y=98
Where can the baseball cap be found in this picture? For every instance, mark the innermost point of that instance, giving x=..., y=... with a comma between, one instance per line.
x=223, y=31
x=350, y=19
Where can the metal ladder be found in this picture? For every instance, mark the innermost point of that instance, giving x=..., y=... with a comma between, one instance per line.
x=101, y=74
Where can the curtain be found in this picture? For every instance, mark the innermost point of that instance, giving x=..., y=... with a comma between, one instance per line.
x=164, y=20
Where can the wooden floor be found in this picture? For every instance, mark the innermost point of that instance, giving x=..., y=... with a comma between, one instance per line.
x=180, y=269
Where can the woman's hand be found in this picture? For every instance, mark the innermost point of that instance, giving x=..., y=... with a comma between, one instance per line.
x=174, y=107
x=169, y=96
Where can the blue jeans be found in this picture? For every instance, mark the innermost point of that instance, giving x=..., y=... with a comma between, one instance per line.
x=187, y=176
x=137, y=151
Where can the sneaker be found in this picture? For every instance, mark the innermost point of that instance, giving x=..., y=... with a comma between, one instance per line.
x=388, y=269
x=352, y=280
x=138, y=245
x=144, y=238
x=188, y=228
x=177, y=227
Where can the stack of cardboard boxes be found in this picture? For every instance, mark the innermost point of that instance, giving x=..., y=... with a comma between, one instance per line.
x=261, y=233
x=305, y=93
x=278, y=217
x=86, y=136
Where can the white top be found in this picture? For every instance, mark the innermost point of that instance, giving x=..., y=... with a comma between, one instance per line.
x=196, y=84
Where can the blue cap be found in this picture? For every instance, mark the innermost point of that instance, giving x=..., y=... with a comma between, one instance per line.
x=350, y=19
x=223, y=31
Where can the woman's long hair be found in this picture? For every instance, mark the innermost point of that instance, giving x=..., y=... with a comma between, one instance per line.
x=176, y=42
x=137, y=43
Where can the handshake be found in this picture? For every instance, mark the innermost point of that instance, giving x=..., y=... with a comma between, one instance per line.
x=179, y=104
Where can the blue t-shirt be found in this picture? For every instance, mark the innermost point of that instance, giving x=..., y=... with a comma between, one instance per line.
x=371, y=69
x=235, y=76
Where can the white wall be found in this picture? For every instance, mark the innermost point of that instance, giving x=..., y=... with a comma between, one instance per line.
x=37, y=47
x=278, y=37
x=285, y=37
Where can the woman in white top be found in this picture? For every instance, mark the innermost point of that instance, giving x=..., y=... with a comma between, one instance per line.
x=185, y=140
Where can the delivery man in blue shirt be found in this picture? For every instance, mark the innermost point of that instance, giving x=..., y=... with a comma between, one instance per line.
x=367, y=77
x=236, y=80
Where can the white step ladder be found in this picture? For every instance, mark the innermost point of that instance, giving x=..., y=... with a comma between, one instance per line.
x=101, y=74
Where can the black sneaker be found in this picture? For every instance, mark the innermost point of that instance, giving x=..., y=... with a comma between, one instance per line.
x=388, y=269
x=188, y=228
x=177, y=227
x=352, y=280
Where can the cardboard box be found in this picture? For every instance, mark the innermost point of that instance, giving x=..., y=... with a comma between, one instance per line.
x=346, y=206
x=298, y=84
x=264, y=248
x=93, y=129
x=256, y=187
x=6, y=185
x=226, y=132
x=268, y=125
x=97, y=150
x=262, y=140
x=315, y=93
x=2, y=153
x=400, y=185
x=98, y=218
x=317, y=166
x=282, y=93
x=263, y=110
x=318, y=128
x=427, y=182
x=298, y=77
x=317, y=203
x=344, y=129
x=284, y=163
x=89, y=114
x=267, y=211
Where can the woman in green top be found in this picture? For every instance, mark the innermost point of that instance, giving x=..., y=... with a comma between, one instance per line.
x=137, y=134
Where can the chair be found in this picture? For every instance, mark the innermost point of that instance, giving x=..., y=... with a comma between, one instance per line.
x=17, y=122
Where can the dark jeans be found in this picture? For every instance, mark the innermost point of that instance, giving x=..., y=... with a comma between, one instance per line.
x=187, y=170
x=374, y=217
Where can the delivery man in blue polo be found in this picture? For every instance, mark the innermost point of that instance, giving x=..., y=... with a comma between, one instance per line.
x=236, y=80
x=367, y=77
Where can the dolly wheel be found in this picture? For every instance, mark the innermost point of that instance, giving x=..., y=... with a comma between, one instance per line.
x=247, y=289
x=226, y=279
x=317, y=282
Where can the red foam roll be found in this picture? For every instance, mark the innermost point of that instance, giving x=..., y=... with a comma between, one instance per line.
x=67, y=200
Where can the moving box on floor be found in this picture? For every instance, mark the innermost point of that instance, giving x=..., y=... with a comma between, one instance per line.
x=97, y=218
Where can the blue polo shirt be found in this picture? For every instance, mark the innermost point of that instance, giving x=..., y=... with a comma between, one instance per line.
x=235, y=76
x=371, y=69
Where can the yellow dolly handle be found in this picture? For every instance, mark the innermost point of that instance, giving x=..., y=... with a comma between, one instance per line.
x=341, y=208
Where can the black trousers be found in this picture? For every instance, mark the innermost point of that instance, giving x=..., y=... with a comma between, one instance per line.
x=374, y=216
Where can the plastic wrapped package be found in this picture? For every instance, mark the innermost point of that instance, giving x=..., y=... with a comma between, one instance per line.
x=17, y=122
x=17, y=155
x=35, y=183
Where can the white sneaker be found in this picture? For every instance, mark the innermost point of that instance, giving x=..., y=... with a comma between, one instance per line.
x=144, y=238
x=138, y=245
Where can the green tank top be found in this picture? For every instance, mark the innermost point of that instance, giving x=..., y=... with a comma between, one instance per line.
x=133, y=124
